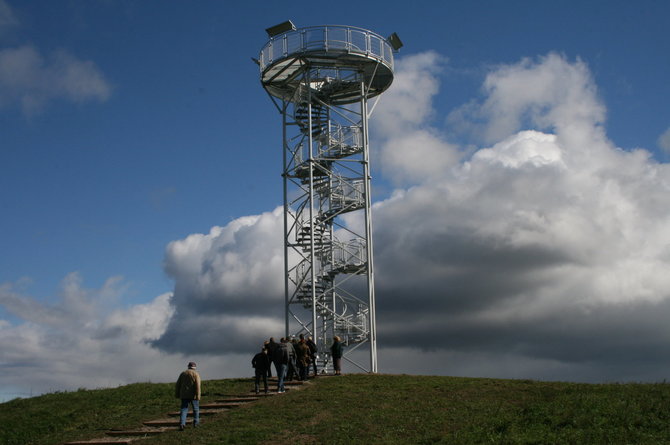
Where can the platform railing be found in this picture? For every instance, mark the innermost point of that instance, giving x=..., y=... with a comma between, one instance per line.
x=335, y=38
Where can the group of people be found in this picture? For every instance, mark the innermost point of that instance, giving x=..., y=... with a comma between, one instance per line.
x=291, y=358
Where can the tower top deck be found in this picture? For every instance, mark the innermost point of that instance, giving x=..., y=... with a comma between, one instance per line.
x=335, y=56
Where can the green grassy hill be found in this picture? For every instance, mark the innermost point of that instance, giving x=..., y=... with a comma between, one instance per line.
x=363, y=409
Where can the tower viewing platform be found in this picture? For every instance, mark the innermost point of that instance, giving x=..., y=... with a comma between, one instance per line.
x=338, y=51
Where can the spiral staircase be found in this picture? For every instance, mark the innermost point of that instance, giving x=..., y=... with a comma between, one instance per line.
x=337, y=195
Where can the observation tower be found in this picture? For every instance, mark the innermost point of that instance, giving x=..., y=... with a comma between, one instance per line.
x=322, y=79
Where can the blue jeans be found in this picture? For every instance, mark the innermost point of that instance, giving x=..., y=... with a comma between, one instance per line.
x=281, y=375
x=184, y=411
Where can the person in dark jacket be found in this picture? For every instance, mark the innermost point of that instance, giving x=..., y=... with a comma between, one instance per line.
x=261, y=364
x=312, y=353
x=271, y=345
x=265, y=346
x=336, y=353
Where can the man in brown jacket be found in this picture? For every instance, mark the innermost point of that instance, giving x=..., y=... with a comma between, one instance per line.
x=188, y=390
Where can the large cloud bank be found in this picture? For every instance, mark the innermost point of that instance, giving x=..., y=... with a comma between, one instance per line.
x=541, y=254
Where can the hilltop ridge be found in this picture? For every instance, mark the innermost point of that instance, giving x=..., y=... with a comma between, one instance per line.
x=386, y=409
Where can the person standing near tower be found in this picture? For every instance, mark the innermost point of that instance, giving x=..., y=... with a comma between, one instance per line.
x=312, y=353
x=188, y=390
x=280, y=358
x=336, y=353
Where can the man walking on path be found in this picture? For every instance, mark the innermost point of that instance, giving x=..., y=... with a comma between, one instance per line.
x=188, y=390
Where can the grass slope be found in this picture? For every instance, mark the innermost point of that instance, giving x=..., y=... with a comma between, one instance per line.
x=365, y=409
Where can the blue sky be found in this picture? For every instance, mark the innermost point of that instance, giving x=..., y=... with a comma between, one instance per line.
x=187, y=139
x=125, y=126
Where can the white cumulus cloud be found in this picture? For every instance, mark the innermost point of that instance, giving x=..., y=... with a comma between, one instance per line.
x=410, y=150
x=228, y=292
x=31, y=80
x=82, y=339
x=547, y=94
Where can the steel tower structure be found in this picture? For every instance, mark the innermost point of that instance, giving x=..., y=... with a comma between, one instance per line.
x=320, y=79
